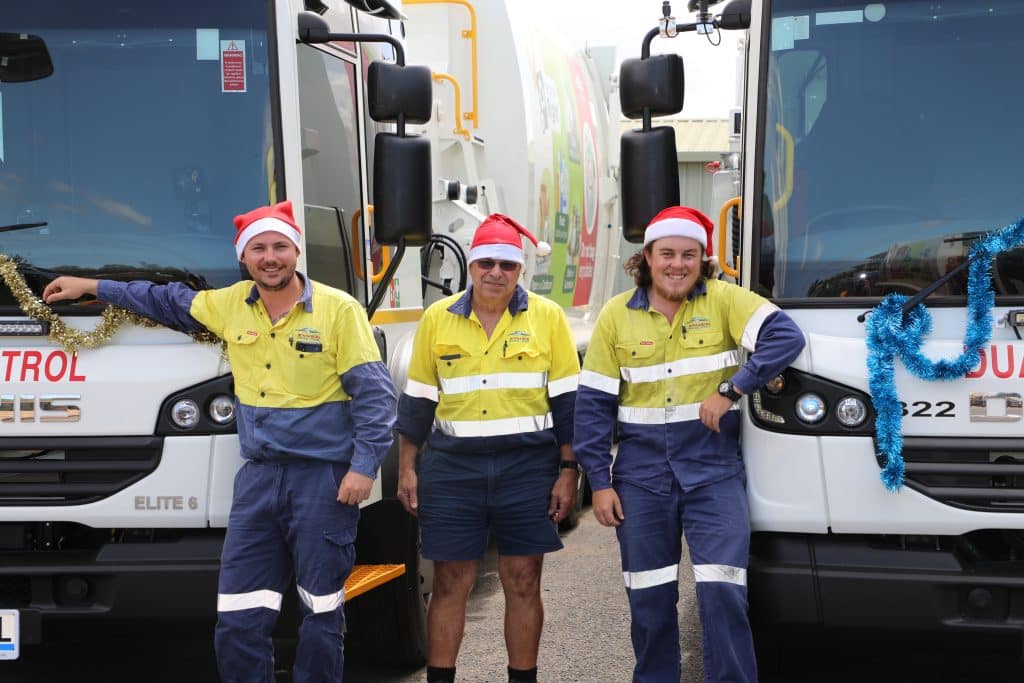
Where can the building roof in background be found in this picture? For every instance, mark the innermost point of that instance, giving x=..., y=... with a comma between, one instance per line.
x=696, y=139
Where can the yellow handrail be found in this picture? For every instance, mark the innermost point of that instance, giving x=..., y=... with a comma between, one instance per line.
x=459, y=130
x=788, y=192
x=474, y=115
x=723, y=216
x=385, y=252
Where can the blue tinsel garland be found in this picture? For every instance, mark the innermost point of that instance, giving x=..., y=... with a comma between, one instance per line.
x=891, y=334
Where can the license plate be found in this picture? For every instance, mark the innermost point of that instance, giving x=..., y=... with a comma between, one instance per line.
x=9, y=636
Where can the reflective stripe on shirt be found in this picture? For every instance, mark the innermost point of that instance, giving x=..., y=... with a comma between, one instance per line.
x=500, y=380
x=510, y=425
x=420, y=390
x=753, y=327
x=682, y=367
x=565, y=385
x=595, y=380
x=660, y=416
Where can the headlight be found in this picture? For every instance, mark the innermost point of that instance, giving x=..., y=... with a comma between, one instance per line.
x=851, y=411
x=185, y=413
x=222, y=410
x=810, y=408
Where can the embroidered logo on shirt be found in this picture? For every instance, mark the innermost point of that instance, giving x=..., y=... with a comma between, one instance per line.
x=252, y=333
x=518, y=337
x=646, y=342
x=307, y=335
x=698, y=324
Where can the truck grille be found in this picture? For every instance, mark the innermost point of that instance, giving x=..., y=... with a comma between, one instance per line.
x=975, y=474
x=61, y=471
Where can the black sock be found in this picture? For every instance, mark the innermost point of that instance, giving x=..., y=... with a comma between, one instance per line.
x=437, y=674
x=522, y=675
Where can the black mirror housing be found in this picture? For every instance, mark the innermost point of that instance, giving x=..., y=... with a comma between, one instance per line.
x=650, y=177
x=23, y=58
x=394, y=90
x=735, y=16
x=655, y=83
x=401, y=189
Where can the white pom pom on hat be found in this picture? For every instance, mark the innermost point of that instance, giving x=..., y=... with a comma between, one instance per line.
x=681, y=221
x=500, y=237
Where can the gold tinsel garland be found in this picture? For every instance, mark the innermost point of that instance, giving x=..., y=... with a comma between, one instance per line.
x=71, y=340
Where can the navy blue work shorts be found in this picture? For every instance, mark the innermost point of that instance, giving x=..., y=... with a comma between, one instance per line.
x=462, y=496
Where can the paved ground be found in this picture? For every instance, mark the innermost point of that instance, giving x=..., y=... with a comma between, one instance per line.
x=586, y=627
x=586, y=640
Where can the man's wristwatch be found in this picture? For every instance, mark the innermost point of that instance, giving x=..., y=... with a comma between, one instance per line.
x=726, y=389
x=570, y=465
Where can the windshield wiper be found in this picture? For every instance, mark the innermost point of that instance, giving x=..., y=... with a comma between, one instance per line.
x=22, y=226
x=927, y=291
x=909, y=304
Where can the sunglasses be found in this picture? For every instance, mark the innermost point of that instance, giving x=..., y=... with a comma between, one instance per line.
x=488, y=264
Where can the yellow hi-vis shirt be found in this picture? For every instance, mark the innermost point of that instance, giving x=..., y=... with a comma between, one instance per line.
x=295, y=362
x=648, y=375
x=311, y=385
x=514, y=389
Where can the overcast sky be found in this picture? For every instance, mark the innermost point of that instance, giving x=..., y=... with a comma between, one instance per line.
x=710, y=71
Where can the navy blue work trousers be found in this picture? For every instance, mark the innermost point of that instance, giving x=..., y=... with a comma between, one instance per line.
x=285, y=520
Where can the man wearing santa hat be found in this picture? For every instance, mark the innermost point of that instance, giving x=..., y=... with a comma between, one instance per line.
x=315, y=407
x=664, y=367
x=492, y=384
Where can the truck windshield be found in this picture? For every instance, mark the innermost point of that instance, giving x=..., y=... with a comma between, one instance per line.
x=152, y=132
x=892, y=140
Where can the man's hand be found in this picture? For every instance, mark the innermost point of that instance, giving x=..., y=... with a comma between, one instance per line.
x=563, y=495
x=408, y=481
x=355, y=488
x=68, y=288
x=712, y=409
x=607, y=507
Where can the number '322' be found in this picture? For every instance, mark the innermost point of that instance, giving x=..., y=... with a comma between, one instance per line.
x=928, y=409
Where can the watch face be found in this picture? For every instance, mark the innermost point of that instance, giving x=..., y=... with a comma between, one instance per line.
x=724, y=387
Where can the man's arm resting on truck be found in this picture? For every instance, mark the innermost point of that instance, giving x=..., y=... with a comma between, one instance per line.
x=167, y=304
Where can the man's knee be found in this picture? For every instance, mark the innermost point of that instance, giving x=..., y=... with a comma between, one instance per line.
x=520, y=576
x=453, y=579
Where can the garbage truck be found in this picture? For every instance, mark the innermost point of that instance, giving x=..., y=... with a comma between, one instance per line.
x=877, y=204
x=130, y=135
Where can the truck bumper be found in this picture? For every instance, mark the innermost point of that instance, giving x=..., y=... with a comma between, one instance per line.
x=123, y=581
x=912, y=584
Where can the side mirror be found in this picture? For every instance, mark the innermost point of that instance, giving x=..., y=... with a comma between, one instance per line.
x=656, y=84
x=401, y=164
x=395, y=90
x=649, y=170
x=401, y=189
x=650, y=177
x=23, y=58
x=735, y=16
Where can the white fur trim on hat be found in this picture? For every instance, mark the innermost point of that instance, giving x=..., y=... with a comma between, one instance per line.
x=502, y=252
x=676, y=227
x=267, y=224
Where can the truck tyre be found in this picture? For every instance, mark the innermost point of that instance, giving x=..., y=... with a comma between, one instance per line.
x=388, y=625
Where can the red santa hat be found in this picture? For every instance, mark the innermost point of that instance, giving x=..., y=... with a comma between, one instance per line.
x=681, y=221
x=500, y=237
x=276, y=218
